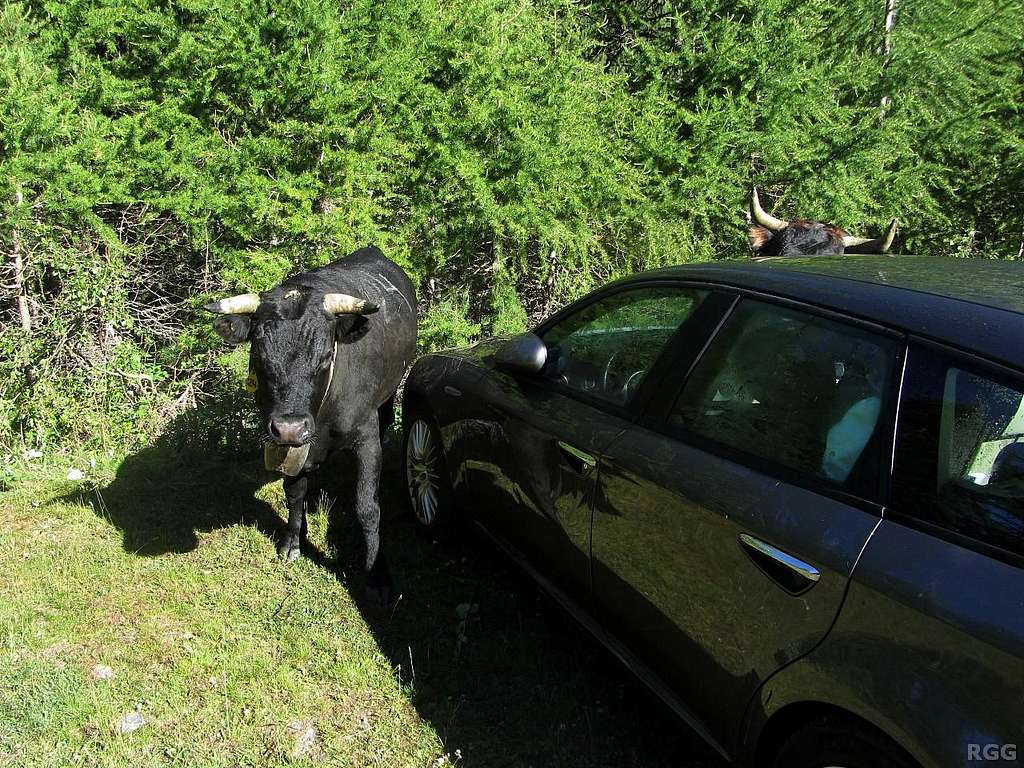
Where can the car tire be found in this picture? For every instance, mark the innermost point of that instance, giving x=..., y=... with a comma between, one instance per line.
x=428, y=490
x=837, y=742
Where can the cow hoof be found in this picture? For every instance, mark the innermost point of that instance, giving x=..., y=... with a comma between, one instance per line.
x=289, y=549
x=380, y=595
x=380, y=589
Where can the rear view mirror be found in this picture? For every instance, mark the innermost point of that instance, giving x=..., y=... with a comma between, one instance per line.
x=524, y=353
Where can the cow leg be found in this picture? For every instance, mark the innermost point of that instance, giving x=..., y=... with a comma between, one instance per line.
x=368, y=465
x=386, y=414
x=295, y=490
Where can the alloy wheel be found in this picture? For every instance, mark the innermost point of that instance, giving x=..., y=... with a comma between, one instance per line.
x=422, y=468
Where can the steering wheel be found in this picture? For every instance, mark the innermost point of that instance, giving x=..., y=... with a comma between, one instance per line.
x=607, y=372
x=631, y=382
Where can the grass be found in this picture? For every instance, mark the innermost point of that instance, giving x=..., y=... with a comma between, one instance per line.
x=163, y=570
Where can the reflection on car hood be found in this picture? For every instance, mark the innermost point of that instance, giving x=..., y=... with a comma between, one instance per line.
x=481, y=353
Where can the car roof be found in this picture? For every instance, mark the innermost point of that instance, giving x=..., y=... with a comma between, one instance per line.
x=974, y=304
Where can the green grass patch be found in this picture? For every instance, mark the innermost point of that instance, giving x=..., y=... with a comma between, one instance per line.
x=229, y=656
x=162, y=569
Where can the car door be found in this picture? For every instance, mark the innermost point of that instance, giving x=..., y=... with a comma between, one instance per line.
x=727, y=525
x=547, y=431
x=935, y=614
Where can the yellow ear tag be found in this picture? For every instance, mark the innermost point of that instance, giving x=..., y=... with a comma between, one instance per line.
x=250, y=382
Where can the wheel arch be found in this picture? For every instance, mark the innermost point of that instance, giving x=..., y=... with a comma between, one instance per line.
x=790, y=718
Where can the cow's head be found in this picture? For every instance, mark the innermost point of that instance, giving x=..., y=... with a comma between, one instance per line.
x=770, y=236
x=294, y=332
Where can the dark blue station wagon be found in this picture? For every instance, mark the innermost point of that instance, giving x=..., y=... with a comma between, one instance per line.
x=788, y=495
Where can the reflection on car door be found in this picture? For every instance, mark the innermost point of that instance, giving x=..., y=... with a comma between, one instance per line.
x=723, y=539
x=547, y=432
x=535, y=496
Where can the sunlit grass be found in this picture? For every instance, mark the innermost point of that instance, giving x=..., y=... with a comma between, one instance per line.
x=162, y=569
x=230, y=656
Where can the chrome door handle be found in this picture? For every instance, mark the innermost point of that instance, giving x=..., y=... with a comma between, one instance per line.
x=791, y=573
x=582, y=462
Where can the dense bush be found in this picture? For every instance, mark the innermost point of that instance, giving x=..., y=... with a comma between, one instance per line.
x=508, y=155
x=789, y=93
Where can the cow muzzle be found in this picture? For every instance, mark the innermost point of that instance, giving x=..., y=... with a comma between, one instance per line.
x=291, y=429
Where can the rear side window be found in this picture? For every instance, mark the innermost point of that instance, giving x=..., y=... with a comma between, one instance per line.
x=607, y=348
x=960, y=450
x=794, y=389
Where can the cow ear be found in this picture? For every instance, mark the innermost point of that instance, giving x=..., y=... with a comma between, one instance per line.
x=758, y=237
x=234, y=329
x=349, y=328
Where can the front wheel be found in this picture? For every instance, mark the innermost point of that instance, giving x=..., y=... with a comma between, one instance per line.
x=427, y=487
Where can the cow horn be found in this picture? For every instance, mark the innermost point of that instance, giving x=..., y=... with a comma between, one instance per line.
x=764, y=218
x=871, y=245
x=243, y=304
x=343, y=304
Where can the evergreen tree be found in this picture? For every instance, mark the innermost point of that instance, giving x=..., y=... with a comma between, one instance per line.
x=509, y=155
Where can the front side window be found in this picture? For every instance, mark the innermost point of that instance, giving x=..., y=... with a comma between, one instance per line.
x=960, y=450
x=794, y=389
x=607, y=348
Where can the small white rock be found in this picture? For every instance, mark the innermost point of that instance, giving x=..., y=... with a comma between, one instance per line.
x=303, y=735
x=76, y=474
x=33, y=453
x=132, y=721
x=101, y=672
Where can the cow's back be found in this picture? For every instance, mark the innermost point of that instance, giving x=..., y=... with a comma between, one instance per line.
x=369, y=370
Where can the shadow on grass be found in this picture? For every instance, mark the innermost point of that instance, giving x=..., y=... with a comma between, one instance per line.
x=199, y=475
x=517, y=682
x=504, y=676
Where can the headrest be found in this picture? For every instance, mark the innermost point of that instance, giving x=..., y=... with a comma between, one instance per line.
x=1009, y=464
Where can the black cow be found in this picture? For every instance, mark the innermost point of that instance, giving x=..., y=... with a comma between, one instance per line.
x=770, y=236
x=329, y=348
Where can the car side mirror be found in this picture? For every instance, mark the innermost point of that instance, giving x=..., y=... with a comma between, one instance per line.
x=524, y=353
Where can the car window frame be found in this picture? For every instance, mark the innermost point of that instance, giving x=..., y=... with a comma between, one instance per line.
x=701, y=324
x=976, y=365
x=658, y=418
